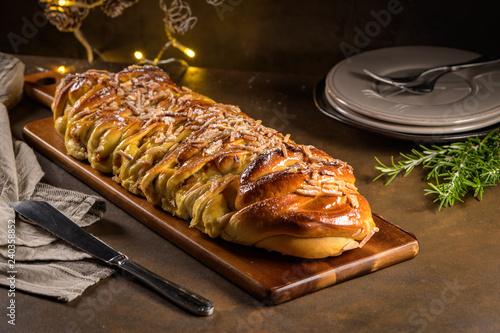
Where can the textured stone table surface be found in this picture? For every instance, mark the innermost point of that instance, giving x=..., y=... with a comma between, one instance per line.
x=452, y=285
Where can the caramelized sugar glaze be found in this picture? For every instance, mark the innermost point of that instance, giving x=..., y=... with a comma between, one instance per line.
x=211, y=164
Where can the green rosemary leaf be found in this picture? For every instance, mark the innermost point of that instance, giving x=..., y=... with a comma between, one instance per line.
x=456, y=168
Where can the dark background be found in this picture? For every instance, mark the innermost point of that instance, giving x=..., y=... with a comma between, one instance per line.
x=260, y=35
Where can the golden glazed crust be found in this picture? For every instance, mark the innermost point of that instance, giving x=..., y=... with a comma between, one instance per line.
x=212, y=164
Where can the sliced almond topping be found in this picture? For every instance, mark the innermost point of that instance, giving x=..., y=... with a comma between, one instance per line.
x=125, y=155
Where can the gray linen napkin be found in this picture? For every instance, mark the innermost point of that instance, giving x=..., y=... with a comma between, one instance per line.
x=30, y=257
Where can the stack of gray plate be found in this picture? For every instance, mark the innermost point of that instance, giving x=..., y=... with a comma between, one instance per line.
x=463, y=104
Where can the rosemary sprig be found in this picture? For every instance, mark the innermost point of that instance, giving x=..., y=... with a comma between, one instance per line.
x=455, y=168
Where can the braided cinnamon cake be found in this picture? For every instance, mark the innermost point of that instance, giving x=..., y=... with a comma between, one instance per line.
x=211, y=164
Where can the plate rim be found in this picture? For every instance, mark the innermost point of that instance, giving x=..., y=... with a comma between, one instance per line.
x=409, y=129
x=324, y=107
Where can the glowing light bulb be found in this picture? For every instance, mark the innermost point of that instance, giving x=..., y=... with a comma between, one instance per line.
x=189, y=53
x=178, y=45
x=138, y=55
x=61, y=69
x=62, y=2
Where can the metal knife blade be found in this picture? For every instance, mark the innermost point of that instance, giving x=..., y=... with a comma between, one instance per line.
x=51, y=219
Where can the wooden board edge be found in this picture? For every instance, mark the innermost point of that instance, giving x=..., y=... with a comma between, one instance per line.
x=385, y=259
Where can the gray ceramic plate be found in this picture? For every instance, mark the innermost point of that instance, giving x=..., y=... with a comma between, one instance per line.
x=464, y=97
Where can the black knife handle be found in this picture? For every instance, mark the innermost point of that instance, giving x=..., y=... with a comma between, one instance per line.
x=177, y=294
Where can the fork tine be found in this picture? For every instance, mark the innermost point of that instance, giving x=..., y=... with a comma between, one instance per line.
x=418, y=90
x=380, y=78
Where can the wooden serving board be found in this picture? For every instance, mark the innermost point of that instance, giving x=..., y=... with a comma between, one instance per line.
x=268, y=276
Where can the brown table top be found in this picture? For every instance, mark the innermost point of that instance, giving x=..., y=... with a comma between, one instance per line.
x=452, y=285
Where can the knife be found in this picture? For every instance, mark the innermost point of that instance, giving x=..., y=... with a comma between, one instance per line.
x=51, y=219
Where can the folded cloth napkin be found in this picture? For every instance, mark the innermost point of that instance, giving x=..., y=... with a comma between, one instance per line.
x=32, y=259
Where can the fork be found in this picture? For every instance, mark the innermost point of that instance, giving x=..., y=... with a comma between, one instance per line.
x=424, y=81
x=423, y=88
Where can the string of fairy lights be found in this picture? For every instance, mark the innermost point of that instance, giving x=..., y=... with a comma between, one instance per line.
x=68, y=15
x=178, y=19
